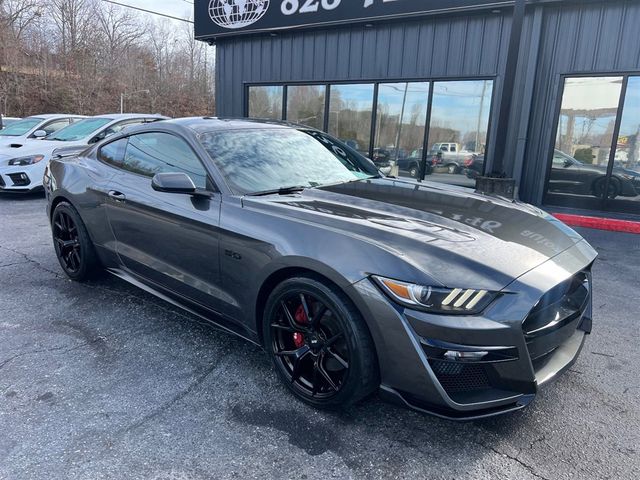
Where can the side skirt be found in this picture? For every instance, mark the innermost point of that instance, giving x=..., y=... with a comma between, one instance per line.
x=220, y=321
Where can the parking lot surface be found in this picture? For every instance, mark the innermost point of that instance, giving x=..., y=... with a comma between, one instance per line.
x=101, y=380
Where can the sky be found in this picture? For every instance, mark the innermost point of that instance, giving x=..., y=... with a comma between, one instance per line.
x=176, y=8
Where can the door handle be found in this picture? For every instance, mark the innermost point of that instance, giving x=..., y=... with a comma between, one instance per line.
x=117, y=196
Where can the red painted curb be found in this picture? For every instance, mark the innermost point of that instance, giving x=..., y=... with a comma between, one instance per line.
x=611, y=224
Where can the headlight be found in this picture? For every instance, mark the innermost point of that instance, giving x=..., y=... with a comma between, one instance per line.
x=30, y=160
x=452, y=301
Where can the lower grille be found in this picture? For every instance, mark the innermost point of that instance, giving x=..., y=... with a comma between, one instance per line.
x=2, y=184
x=19, y=179
x=458, y=377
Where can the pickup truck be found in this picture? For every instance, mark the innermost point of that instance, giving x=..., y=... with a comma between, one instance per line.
x=450, y=156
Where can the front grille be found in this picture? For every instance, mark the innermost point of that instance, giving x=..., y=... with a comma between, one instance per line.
x=556, y=316
x=458, y=377
x=19, y=179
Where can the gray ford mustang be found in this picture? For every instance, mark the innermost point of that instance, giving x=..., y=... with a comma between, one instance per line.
x=449, y=302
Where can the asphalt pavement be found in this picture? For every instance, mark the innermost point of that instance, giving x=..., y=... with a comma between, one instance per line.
x=103, y=381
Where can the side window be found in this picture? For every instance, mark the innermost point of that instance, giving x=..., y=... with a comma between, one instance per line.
x=151, y=153
x=113, y=153
x=453, y=148
x=55, y=125
x=115, y=128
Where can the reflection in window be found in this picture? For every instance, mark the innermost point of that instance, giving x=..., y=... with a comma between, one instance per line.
x=265, y=102
x=626, y=167
x=401, y=116
x=305, y=105
x=578, y=175
x=350, y=112
x=458, y=130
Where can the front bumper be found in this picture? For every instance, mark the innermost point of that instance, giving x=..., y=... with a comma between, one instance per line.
x=21, y=179
x=517, y=349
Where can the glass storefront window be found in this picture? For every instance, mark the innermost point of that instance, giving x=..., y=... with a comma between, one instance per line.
x=350, y=114
x=626, y=167
x=458, y=130
x=400, y=126
x=265, y=102
x=578, y=176
x=305, y=105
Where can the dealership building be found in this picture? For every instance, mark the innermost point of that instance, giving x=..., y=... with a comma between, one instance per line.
x=419, y=83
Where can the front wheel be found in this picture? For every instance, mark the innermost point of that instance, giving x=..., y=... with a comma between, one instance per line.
x=319, y=343
x=74, y=249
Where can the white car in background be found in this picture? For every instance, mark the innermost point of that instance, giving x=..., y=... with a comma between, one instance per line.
x=16, y=134
x=22, y=169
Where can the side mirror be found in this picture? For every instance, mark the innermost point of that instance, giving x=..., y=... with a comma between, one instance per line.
x=567, y=164
x=173, y=183
x=40, y=134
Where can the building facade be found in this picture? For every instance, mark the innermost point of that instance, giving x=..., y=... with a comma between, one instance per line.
x=419, y=83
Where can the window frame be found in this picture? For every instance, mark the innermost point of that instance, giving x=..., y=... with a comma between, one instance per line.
x=211, y=184
x=376, y=84
x=604, y=204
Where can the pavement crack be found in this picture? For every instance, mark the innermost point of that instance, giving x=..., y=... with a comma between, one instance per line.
x=171, y=402
x=526, y=466
x=31, y=260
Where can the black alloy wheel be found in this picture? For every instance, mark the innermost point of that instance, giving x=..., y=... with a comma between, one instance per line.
x=319, y=344
x=72, y=244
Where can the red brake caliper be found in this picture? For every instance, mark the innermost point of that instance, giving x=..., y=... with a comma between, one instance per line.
x=301, y=318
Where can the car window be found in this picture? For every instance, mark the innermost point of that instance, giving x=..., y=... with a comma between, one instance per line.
x=155, y=152
x=453, y=148
x=20, y=128
x=113, y=153
x=79, y=130
x=256, y=160
x=55, y=125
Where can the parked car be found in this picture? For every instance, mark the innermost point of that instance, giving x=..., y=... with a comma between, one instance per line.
x=411, y=164
x=444, y=300
x=473, y=166
x=6, y=121
x=36, y=127
x=21, y=168
x=569, y=175
x=382, y=160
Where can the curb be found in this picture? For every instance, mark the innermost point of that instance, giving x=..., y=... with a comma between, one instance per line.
x=610, y=224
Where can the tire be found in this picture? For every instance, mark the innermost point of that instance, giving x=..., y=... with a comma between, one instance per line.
x=599, y=186
x=414, y=171
x=341, y=319
x=452, y=169
x=73, y=246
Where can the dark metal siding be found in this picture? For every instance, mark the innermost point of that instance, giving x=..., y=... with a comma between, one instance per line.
x=590, y=38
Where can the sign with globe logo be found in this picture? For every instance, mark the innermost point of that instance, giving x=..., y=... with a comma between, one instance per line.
x=234, y=14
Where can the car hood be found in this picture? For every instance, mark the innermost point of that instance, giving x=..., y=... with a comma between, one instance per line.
x=449, y=233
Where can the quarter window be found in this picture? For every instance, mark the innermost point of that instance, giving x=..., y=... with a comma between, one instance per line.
x=151, y=153
x=113, y=153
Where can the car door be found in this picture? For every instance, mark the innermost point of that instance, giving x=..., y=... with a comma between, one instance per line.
x=168, y=239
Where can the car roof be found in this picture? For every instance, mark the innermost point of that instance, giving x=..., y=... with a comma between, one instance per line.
x=209, y=124
x=48, y=116
x=126, y=116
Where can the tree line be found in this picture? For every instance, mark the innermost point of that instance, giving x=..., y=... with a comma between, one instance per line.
x=84, y=56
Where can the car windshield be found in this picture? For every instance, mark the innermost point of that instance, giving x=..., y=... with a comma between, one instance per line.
x=79, y=130
x=20, y=127
x=256, y=160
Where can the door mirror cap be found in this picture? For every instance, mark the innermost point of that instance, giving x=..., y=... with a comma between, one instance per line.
x=39, y=134
x=173, y=183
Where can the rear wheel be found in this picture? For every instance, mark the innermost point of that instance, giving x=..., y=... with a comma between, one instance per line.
x=613, y=190
x=452, y=168
x=319, y=343
x=74, y=249
x=413, y=171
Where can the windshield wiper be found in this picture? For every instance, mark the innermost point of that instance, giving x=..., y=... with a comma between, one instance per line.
x=278, y=191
